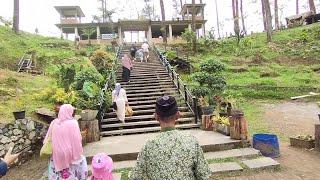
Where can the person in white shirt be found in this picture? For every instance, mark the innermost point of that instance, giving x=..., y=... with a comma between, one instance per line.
x=145, y=48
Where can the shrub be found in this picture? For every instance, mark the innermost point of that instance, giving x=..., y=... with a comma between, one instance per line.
x=66, y=76
x=171, y=54
x=210, y=79
x=102, y=61
x=87, y=74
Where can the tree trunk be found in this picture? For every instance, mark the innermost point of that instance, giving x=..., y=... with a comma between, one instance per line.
x=92, y=130
x=317, y=136
x=15, y=25
x=276, y=14
x=297, y=6
x=264, y=15
x=268, y=20
x=217, y=15
x=235, y=13
x=312, y=6
x=164, y=28
x=193, y=26
x=242, y=17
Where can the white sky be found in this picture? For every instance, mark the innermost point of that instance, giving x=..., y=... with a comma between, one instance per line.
x=41, y=14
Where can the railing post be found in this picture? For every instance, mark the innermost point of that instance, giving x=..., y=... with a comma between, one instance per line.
x=178, y=83
x=195, y=104
x=172, y=73
x=185, y=93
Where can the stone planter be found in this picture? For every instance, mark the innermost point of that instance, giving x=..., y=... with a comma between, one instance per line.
x=301, y=143
x=223, y=129
x=19, y=115
x=88, y=115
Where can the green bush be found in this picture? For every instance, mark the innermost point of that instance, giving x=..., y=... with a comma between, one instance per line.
x=87, y=74
x=66, y=76
x=171, y=55
x=102, y=61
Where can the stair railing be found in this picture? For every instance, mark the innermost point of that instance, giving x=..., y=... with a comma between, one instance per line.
x=111, y=79
x=21, y=62
x=190, y=100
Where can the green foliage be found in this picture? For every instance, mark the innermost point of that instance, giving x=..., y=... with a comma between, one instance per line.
x=87, y=74
x=66, y=76
x=88, y=32
x=49, y=50
x=57, y=95
x=210, y=79
x=171, y=54
x=102, y=61
x=188, y=35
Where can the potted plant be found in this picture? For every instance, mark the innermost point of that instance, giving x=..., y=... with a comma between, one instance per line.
x=303, y=141
x=20, y=111
x=210, y=82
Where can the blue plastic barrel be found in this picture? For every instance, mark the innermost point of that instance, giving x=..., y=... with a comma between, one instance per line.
x=268, y=144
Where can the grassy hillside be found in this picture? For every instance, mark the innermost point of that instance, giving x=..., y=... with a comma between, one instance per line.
x=288, y=66
x=13, y=46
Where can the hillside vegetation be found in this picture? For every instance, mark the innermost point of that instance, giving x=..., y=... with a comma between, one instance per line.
x=288, y=66
x=49, y=50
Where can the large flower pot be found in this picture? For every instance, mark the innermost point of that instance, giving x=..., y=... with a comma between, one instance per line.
x=19, y=115
x=302, y=143
x=88, y=115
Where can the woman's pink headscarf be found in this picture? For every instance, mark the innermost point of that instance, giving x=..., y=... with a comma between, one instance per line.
x=66, y=138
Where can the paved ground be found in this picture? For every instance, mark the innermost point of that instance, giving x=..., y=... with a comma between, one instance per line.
x=133, y=143
x=288, y=119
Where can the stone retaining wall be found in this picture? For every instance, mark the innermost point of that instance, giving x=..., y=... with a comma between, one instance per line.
x=22, y=133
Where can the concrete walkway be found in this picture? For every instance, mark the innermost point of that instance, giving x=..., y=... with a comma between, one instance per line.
x=127, y=147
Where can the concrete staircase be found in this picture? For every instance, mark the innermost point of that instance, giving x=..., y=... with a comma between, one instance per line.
x=148, y=82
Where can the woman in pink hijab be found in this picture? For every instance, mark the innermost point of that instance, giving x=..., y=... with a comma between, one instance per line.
x=67, y=161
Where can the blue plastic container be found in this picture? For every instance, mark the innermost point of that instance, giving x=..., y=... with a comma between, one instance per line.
x=268, y=144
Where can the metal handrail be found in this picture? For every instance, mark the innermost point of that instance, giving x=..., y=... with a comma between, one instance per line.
x=111, y=77
x=21, y=62
x=187, y=95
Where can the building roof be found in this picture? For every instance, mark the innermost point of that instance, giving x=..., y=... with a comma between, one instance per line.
x=189, y=6
x=69, y=11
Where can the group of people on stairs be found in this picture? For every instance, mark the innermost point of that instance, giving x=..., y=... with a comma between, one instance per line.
x=142, y=54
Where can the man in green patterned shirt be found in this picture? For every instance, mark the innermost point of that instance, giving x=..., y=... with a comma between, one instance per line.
x=173, y=154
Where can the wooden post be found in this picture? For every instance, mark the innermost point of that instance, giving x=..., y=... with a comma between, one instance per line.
x=178, y=83
x=92, y=129
x=238, y=125
x=207, y=123
x=185, y=93
x=317, y=136
x=172, y=73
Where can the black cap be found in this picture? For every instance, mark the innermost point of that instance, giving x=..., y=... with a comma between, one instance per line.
x=166, y=106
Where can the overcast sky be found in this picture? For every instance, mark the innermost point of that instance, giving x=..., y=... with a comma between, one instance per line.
x=41, y=14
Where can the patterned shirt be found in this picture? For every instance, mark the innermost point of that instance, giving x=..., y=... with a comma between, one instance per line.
x=171, y=155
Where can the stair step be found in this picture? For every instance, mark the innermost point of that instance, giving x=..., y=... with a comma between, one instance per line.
x=145, y=130
x=143, y=123
x=233, y=153
x=146, y=82
x=137, y=79
x=134, y=103
x=225, y=167
x=144, y=117
x=150, y=90
x=150, y=110
x=145, y=75
x=146, y=85
x=261, y=163
x=146, y=98
x=147, y=108
x=150, y=87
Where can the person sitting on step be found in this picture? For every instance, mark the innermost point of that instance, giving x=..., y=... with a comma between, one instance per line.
x=120, y=101
x=172, y=154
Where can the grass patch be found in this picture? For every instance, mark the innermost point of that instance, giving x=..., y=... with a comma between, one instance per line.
x=23, y=90
x=221, y=160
